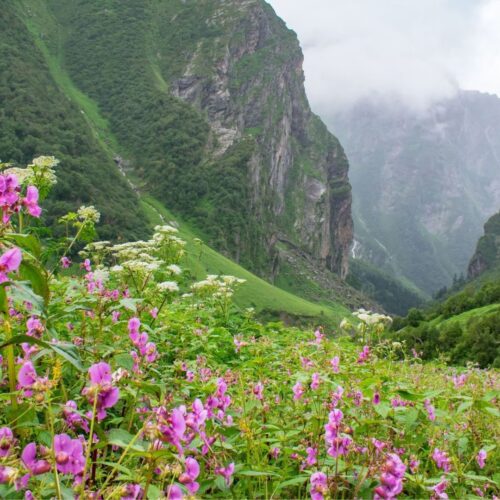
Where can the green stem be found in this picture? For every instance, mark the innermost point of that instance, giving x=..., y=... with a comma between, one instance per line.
x=56, y=473
x=11, y=362
x=89, y=444
x=123, y=455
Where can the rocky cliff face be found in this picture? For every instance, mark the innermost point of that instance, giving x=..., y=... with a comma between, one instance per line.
x=487, y=255
x=424, y=183
x=254, y=86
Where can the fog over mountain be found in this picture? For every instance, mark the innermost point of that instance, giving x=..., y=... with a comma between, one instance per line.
x=416, y=52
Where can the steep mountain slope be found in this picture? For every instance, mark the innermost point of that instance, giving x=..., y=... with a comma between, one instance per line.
x=485, y=263
x=423, y=182
x=116, y=97
x=36, y=119
x=207, y=99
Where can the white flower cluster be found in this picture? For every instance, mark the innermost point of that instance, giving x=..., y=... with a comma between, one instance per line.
x=168, y=286
x=88, y=214
x=218, y=286
x=41, y=171
x=371, y=318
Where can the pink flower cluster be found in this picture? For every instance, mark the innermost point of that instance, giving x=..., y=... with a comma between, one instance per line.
x=11, y=200
x=9, y=262
x=337, y=445
x=391, y=478
x=101, y=388
x=364, y=355
x=441, y=459
x=141, y=342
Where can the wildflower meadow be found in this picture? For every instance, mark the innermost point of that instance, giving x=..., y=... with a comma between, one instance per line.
x=123, y=378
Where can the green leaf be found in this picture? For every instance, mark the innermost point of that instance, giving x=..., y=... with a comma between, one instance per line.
x=27, y=242
x=382, y=409
x=295, y=480
x=257, y=473
x=122, y=439
x=154, y=492
x=32, y=273
x=463, y=406
x=67, y=351
x=20, y=292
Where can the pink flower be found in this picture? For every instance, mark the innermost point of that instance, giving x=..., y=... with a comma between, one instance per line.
x=31, y=201
x=35, y=327
x=335, y=362
x=258, y=391
x=298, y=391
x=439, y=490
x=319, y=486
x=150, y=352
x=190, y=474
x=154, y=312
x=379, y=445
x=391, y=478
x=226, y=472
x=65, y=262
x=306, y=362
x=73, y=419
x=6, y=441
x=9, y=262
x=115, y=316
x=376, y=398
x=430, y=410
x=315, y=381
x=174, y=492
x=9, y=196
x=459, y=380
x=100, y=377
x=86, y=265
x=68, y=454
x=27, y=375
x=441, y=459
x=481, y=458
x=7, y=474
x=275, y=453
x=318, y=337
x=132, y=492
x=364, y=355
x=33, y=464
x=312, y=454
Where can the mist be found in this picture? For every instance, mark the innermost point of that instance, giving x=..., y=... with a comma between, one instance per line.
x=415, y=52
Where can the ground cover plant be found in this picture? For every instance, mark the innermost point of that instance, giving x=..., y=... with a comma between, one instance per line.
x=123, y=379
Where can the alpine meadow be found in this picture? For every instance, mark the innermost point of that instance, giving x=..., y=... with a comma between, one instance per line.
x=195, y=300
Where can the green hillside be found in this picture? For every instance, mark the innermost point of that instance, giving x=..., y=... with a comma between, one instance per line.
x=201, y=259
x=267, y=299
x=40, y=116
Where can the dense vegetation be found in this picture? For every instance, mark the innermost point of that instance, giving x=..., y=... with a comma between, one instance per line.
x=37, y=118
x=389, y=292
x=122, y=378
x=464, y=327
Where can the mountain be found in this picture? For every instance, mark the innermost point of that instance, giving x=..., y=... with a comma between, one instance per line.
x=423, y=183
x=207, y=100
x=200, y=104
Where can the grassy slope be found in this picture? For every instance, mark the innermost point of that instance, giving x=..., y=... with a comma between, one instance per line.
x=256, y=292
x=463, y=318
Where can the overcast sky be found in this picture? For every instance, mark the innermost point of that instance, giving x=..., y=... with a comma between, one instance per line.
x=417, y=50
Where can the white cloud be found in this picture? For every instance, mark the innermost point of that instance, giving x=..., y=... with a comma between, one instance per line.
x=413, y=50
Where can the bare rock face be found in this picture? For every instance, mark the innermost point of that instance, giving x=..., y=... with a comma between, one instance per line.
x=487, y=255
x=252, y=86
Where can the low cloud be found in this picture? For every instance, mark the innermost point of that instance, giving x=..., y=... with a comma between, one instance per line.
x=415, y=51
